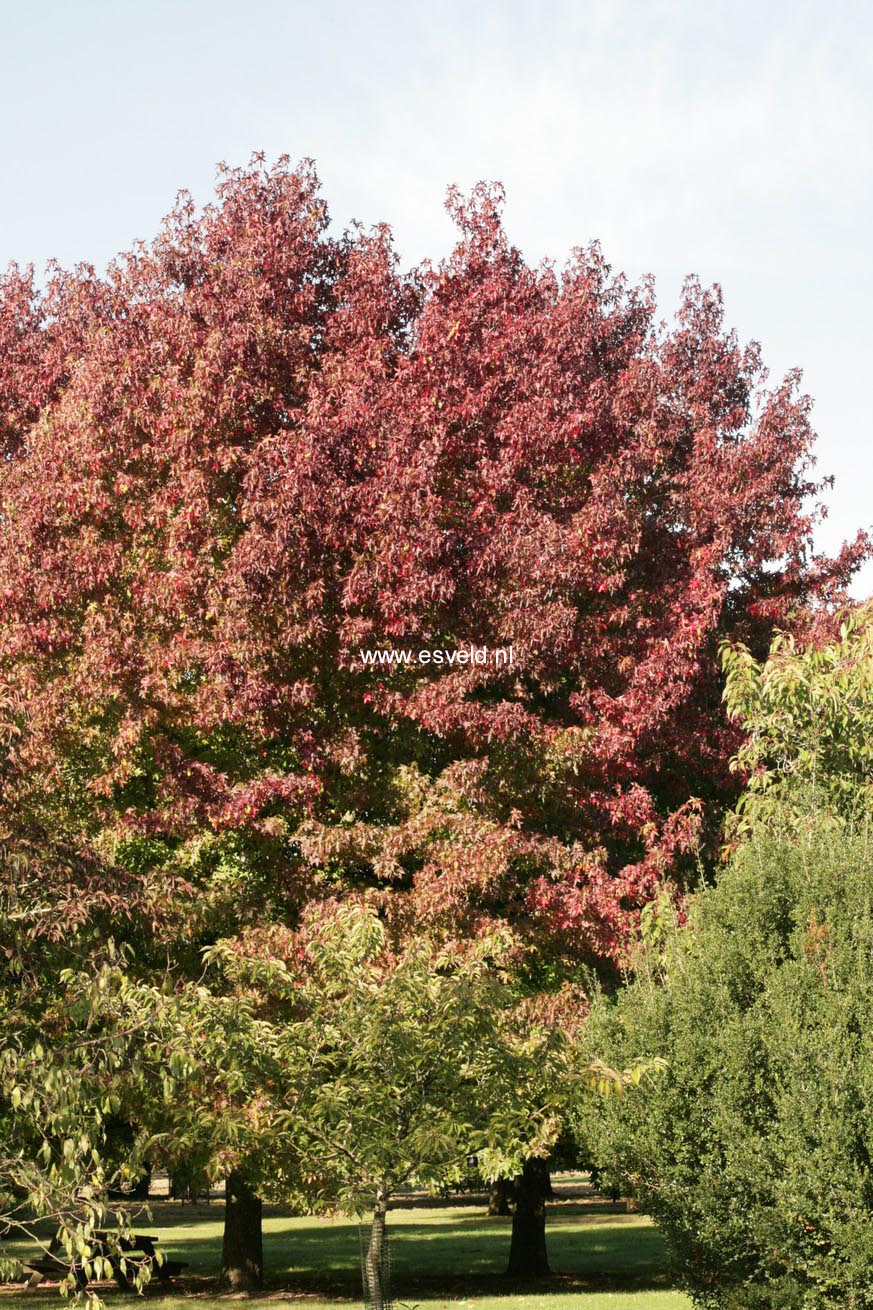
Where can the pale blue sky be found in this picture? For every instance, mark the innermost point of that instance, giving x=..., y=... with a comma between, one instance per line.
x=732, y=140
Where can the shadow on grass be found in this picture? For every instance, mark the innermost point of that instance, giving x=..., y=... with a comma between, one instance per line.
x=444, y=1254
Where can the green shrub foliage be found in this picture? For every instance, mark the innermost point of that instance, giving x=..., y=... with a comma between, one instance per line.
x=808, y=715
x=752, y=1150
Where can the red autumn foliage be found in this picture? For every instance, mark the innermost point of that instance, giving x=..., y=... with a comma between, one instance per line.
x=253, y=448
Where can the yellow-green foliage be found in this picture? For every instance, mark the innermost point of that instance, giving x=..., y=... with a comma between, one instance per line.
x=809, y=715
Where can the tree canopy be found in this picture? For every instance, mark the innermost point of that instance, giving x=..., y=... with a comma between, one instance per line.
x=252, y=449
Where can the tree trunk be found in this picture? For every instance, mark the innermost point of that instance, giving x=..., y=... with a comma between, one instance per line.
x=527, y=1253
x=242, y=1254
x=376, y=1291
x=499, y=1196
x=140, y=1189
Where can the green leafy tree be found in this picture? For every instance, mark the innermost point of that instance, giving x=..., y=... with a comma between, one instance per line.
x=807, y=711
x=67, y=1085
x=102, y=1072
x=389, y=1053
x=404, y=1059
x=754, y=1151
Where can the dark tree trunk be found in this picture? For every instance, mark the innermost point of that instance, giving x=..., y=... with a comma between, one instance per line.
x=527, y=1254
x=180, y=1188
x=140, y=1189
x=499, y=1196
x=376, y=1291
x=242, y=1253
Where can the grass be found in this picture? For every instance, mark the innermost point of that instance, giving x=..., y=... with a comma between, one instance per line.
x=445, y=1256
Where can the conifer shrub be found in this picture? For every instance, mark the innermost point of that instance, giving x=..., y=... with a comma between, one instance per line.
x=752, y=1149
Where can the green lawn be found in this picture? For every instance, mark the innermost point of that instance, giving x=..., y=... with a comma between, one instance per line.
x=443, y=1257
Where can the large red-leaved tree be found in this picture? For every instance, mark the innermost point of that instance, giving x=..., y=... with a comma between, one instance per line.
x=252, y=449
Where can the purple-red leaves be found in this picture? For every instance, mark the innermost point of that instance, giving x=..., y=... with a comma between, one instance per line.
x=252, y=449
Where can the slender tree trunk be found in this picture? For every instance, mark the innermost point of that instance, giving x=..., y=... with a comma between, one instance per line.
x=499, y=1196
x=242, y=1254
x=527, y=1254
x=375, y=1289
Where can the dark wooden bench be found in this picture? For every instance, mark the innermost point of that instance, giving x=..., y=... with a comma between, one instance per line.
x=56, y=1267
